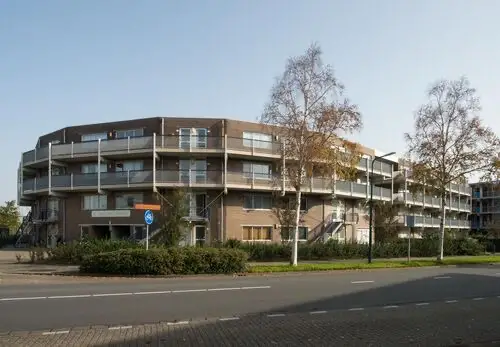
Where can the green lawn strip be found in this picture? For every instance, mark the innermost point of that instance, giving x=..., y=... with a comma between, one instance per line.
x=375, y=265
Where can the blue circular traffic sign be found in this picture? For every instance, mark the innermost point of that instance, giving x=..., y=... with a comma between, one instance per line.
x=148, y=217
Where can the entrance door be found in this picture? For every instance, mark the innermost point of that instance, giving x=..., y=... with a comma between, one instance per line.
x=199, y=235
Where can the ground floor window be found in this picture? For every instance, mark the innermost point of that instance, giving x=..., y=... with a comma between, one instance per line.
x=287, y=233
x=257, y=233
x=95, y=202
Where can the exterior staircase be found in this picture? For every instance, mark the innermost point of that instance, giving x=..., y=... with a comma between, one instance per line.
x=24, y=232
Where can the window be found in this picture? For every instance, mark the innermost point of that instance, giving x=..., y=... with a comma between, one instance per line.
x=257, y=140
x=257, y=233
x=123, y=134
x=92, y=168
x=287, y=233
x=95, y=202
x=132, y=165
x=194, y=171
x=257, y=171
x=94, y=137
x=128, y=200
x=193, y=137
x=257, y=202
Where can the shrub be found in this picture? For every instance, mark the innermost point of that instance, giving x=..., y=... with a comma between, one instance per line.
x=7, y=240
x=338, y=250
x=166, y=261
x=73, y=253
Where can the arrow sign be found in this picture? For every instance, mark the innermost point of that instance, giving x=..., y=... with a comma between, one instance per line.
x=148, y=217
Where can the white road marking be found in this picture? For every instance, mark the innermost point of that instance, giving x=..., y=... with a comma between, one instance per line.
x=77, y=296
x=189, y=291
x=69, y=296
x=451, y=301
x=276, y=315
x=229, y=318
x=361, y=282
x=391, y=306
x=112, y=294
x=441, y=277
x=221, y=289
x=258, y=287
x=477, y=299
x=120, y=327
x=27, y=298
x=178, y=323
x=153, y=293
x=356, y=309
x=317, y=312
x=56, y=332
x=422, y=304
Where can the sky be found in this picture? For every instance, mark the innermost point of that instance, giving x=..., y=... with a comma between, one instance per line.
x=66, y=63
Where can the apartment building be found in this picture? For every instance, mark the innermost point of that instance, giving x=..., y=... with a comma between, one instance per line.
x=82, y=181
x=485, y=206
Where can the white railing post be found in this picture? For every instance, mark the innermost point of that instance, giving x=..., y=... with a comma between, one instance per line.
x=99, y=165
x=154, y=162
x=225, y=164
x=128, y=178
x=128, y=143
x=71, y=181
x=72, y=149
x=50, y=168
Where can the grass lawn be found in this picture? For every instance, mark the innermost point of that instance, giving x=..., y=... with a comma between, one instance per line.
x=379, y=264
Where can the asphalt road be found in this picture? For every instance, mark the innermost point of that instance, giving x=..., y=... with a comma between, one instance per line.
x=139, y=301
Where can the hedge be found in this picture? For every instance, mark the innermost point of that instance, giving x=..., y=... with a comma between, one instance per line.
x=166, y=261
x=339, y=250
x=74, y=253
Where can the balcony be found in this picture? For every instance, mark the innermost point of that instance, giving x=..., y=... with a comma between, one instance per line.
x=431, y=202
x=433, y=222
x=195, y=179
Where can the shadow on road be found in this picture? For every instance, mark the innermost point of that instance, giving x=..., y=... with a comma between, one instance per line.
x=361, y=329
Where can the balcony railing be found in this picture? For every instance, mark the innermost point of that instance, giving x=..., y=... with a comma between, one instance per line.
x=430, y=201
x=433, y=222
x=197, y=178
x=174, y=144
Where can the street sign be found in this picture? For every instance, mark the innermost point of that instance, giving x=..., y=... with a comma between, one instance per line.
x=147, y=207
x=148, y=217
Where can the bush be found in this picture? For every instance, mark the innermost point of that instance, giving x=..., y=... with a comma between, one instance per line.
x=338, y=250
x=73, y=253
x=166, y=261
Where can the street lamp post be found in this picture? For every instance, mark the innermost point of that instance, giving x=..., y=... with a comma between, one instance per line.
x=370, y=228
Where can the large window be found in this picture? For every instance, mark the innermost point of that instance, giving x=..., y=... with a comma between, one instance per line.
x=257, y=140
x=257, y=233
x=94, y=137
x=257, y=171
x=193, y=137
x=130, y=165
x=92, y=168
x=128, y=200
x=257, y=202
x=95, y=202
x=122, y=134
x=287, y=233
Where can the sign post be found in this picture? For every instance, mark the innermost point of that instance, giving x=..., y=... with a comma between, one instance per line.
x=148, y=218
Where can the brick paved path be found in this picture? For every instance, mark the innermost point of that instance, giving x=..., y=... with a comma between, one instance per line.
x=444, y=324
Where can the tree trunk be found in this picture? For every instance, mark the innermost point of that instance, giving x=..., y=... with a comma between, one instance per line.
x=295, y=248
x=441, y=228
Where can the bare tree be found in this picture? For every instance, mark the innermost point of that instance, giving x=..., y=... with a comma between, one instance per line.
x=449, y=141
x=311, y=115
